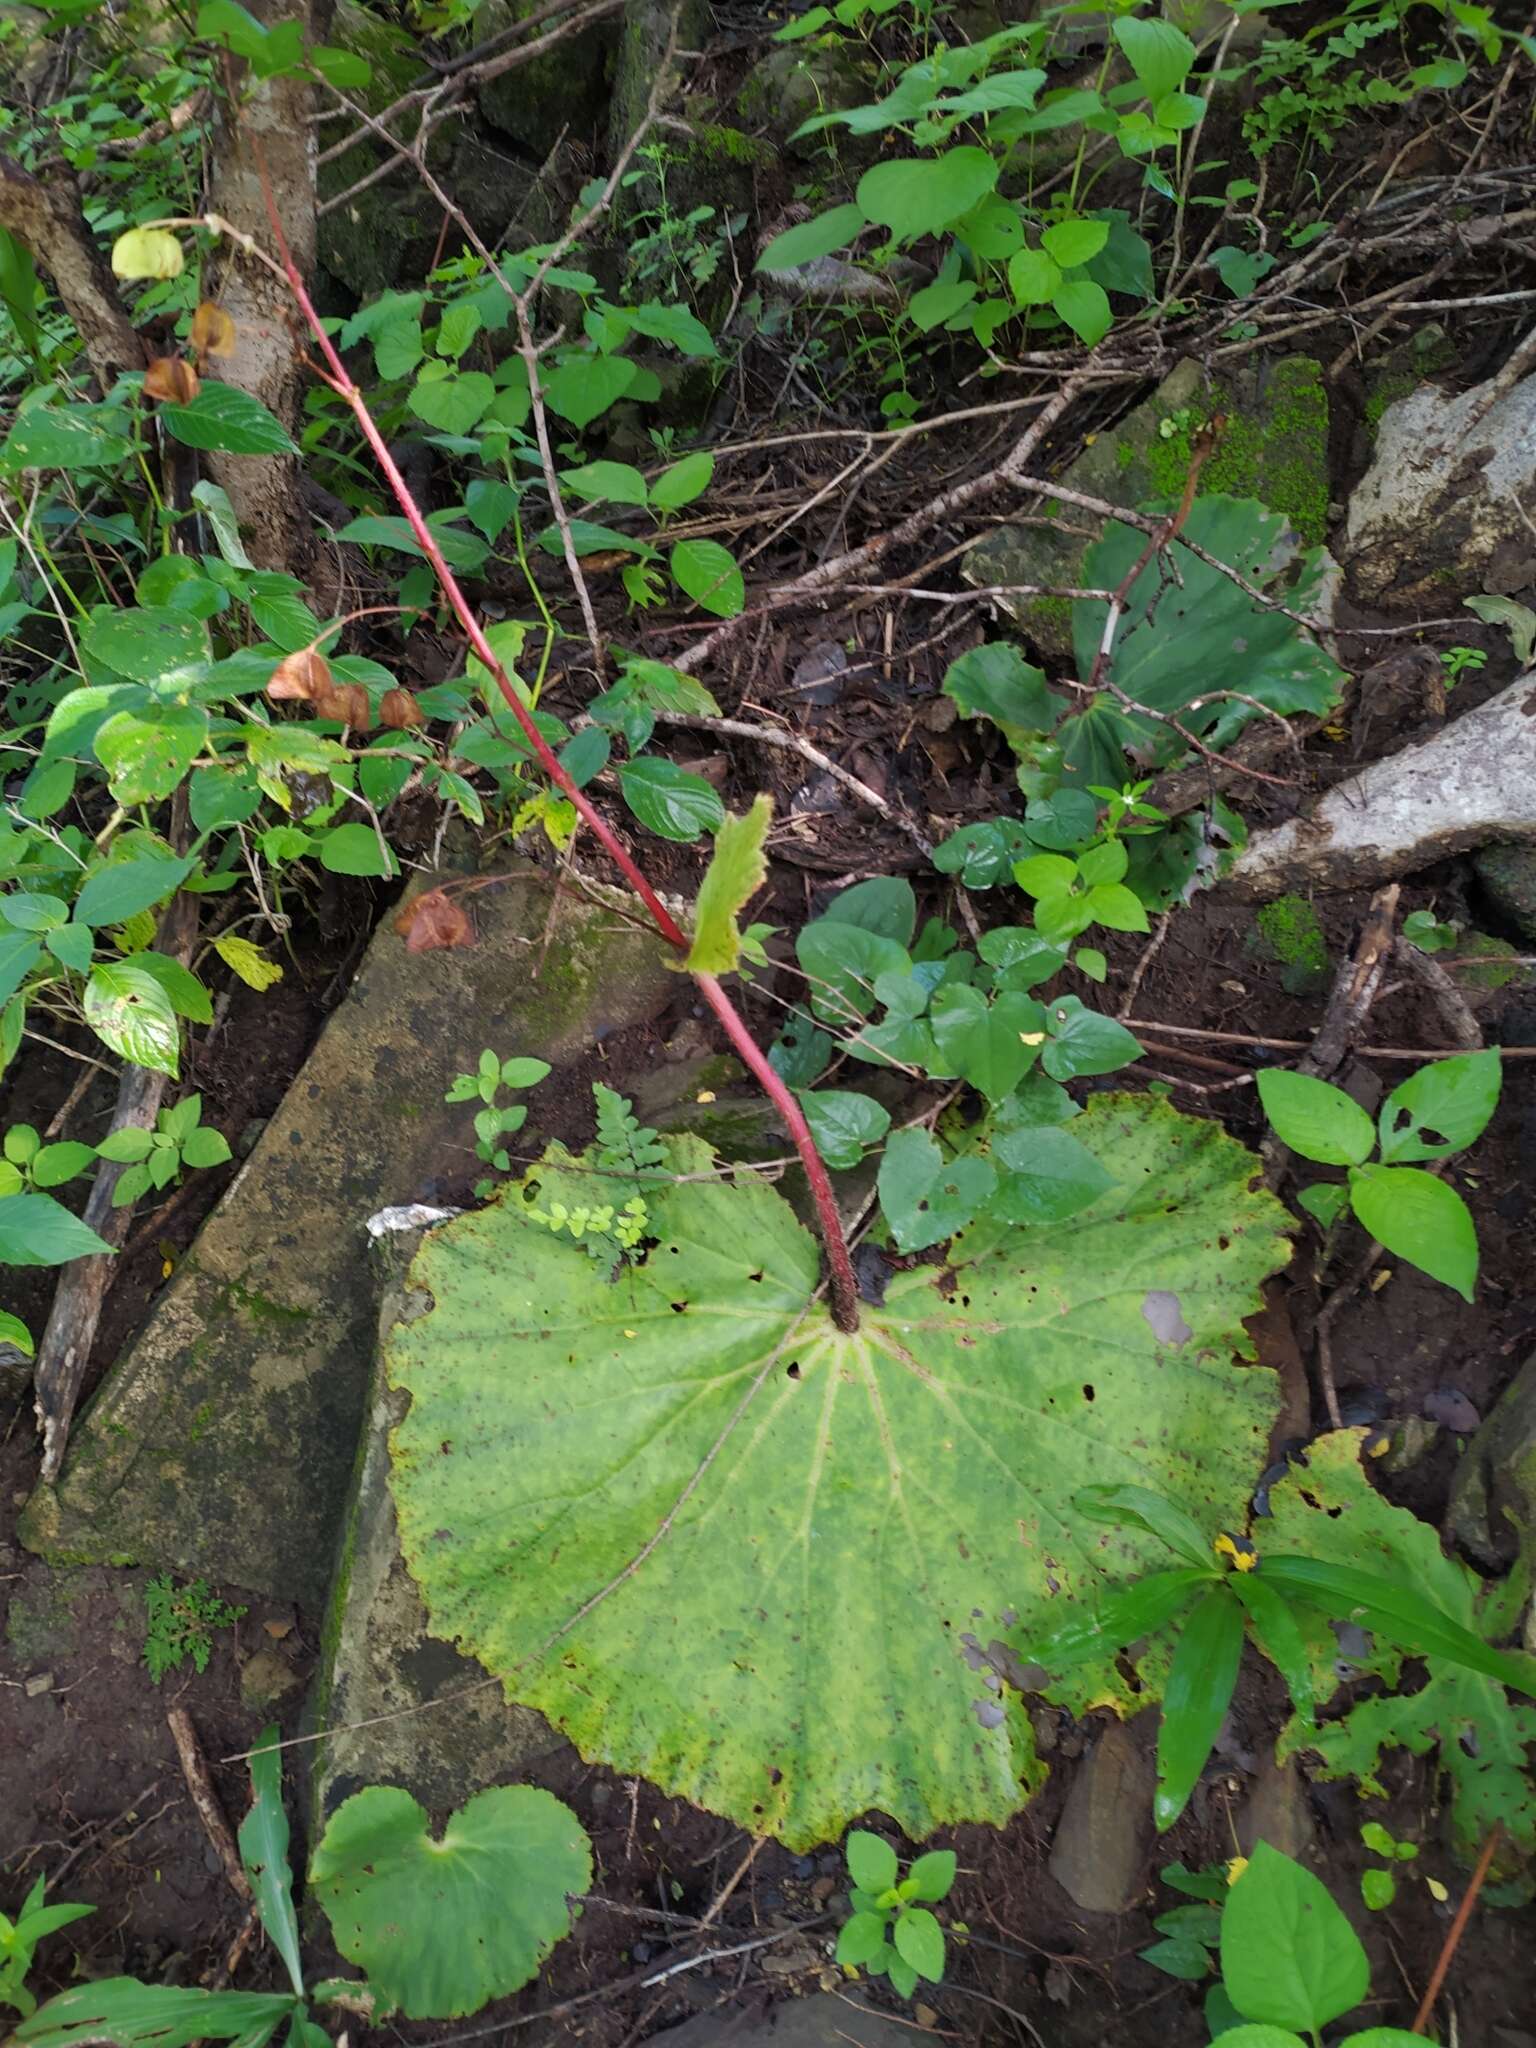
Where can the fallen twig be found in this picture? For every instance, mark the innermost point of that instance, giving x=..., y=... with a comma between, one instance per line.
x=64, y=1350
x=1450, y=1004
x=194, y=1768
x=1457, y=1928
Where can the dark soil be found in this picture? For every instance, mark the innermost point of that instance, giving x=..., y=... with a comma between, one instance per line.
x=90, y=1791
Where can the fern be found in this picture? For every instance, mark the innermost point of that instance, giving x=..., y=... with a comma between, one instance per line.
x=623, y=1144
x=625, y=1153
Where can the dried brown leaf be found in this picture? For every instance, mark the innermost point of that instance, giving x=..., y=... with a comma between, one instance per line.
x=171, y=379
x=300, y=676
x=213, y=332
x=399, y=709
x=433, y=923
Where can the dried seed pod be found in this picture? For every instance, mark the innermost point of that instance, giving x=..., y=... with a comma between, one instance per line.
x=172, y=379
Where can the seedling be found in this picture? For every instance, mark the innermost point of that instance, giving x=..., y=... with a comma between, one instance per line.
x=1460, y=661
x=181, y=1622
x=496, y=1120
x=890, y=1930
x=1421, y=928
x=1190, y=1932
x=1433, y=1115
x=1214, y=1603
x=1378, y=1888
x=153, y=1159
x=18, y=1943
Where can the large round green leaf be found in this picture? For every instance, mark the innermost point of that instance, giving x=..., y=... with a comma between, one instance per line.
x=915, y=196
x=441, y=1927
x=763, y=1563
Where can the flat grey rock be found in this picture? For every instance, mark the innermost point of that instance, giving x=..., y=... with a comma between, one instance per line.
x=1472, y=782
x=224, y=1442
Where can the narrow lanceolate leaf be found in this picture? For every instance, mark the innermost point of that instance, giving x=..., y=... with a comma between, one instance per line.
x=1196, y=1698
x=1116, y=1504
x=136, y=2015
x=737, y=870
x=1117, y=1621
x=1405, y=1618
x=1280, y=1638
x=264, y=1852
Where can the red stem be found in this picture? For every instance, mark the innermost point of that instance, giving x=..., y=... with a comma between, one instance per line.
x=842, y=1287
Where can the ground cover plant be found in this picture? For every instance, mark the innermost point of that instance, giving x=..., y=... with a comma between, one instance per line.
x=347, y=546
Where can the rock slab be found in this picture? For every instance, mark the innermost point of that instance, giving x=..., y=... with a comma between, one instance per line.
x=407, y=1708
x=1471, y=783
x=1099, y=1855
x=224, y=1442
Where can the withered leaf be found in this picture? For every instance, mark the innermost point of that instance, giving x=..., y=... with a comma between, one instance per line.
x=213, y=332
x=306, y=678
x=172, y=379
x=300, y=675
x=399, y=709
x=433, y=923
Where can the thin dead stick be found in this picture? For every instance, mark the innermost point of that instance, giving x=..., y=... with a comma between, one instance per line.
x=792, y=743
x=1149, y=953
x=832, y=574
x=64, y=1351
x=1355, y=989
x=1449, y=1002
x=731, y=1883
x=194, y=1768
x=1457, y=1928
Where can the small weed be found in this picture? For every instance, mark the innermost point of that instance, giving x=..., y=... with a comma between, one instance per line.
x=1461, y=661
x=180, y=1624
x=890, y=1930
x=1433, y=1115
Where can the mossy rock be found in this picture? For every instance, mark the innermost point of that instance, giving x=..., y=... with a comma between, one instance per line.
x=1274, y=447
x=567, y=88
x=796, y=81
x=1288, y=932
x=1507, y=876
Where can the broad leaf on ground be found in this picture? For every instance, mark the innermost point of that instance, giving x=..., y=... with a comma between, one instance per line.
x=1329, y=1510
x=759, y=1561
x=1180, y=642
x=443, y=1924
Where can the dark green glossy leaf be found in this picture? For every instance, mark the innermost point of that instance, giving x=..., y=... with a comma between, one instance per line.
x=1400, y=1614
x=1118, y=1621
x=925, y=1197
x=1083, y=1042
x=1279, y=1636
x=1201, y=1681
x=671, y=802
